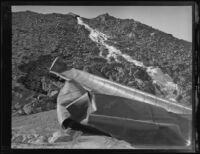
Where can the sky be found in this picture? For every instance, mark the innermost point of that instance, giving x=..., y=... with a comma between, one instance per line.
x=175, y=20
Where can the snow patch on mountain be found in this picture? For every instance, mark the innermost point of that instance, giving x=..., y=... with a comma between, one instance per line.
x=100, y=38
x=129, y=59
x=164, y=81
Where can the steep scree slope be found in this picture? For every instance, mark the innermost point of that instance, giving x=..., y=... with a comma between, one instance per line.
x=38, y=38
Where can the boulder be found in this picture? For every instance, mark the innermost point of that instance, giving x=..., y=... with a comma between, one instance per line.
x=131, y=35
x=20, y=112
x=17, y=106
x=60, y=136
x=39, y=109
x=18, y=139
x=41, y=140
x=52, y=93
x=28, y=108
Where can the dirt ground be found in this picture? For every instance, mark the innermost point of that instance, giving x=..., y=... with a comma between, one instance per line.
x=42, y=131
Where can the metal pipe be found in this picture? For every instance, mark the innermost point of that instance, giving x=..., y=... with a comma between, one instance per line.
x=104, y=86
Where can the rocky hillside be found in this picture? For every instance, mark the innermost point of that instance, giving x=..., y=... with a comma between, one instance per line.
x=105, y=46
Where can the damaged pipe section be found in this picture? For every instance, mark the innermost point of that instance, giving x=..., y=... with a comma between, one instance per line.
x=104, y=86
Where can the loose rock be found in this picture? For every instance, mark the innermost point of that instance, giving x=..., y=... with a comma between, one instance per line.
x=41, y=140
x=17, y=106
x=60, y=136
x=20, y=112
x=28, y=109
x=52, y=93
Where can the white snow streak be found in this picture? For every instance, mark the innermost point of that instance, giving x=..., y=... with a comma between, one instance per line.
x=156, y=74
x=100, y=38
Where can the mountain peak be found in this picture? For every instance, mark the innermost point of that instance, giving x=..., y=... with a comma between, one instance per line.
x=73, y=14
x=104, y=16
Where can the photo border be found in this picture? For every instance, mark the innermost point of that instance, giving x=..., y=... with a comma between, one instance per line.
x=6, y=67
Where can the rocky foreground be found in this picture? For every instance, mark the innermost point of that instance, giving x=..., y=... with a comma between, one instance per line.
x=41, y=130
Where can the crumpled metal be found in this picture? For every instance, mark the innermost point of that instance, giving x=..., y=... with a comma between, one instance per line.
x=128, y=114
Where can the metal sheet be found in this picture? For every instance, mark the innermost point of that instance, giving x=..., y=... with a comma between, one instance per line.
x=140, y=124
x=130, y=114
x=92, y=82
